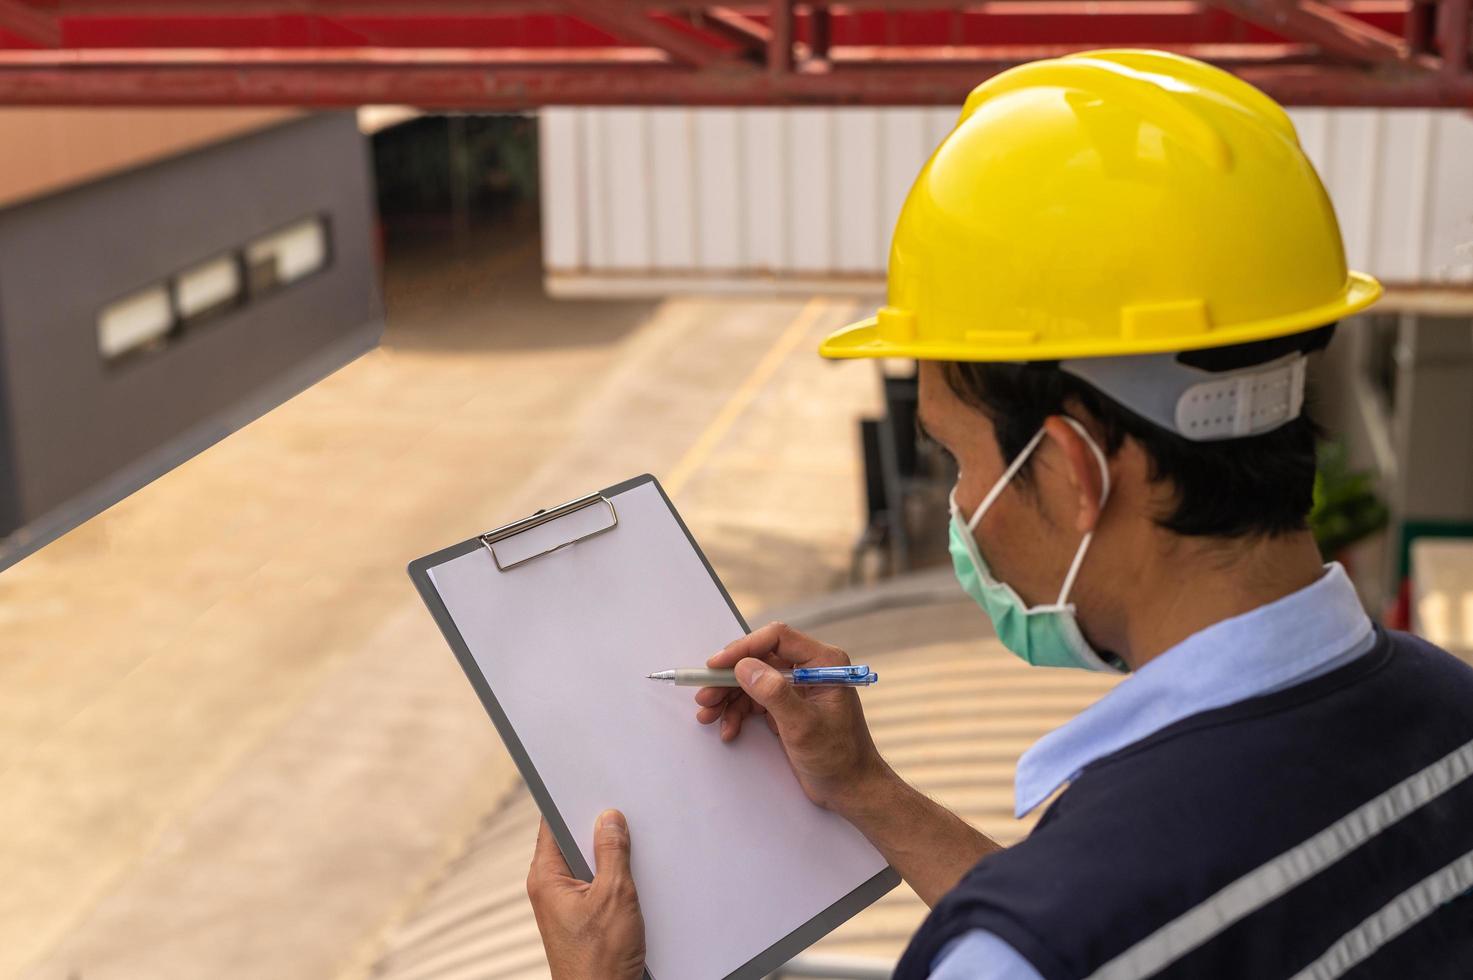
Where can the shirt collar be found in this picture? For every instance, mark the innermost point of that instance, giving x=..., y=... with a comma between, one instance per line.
x=1285, y=642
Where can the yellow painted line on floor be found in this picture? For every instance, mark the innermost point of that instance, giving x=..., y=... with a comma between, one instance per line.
x=700, y=450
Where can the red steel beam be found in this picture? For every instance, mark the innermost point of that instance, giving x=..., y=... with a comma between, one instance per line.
x=1418, y=27
x=1378, y=10
x=851, y=58
x=1321, y=24
x=750, y=33
x=897, y=56
x=631, y=22
x=422, y=8
x=780, y=55
x=691, y=52
x=327, y=8
x=820, y=32
x=30, y=24
x=494, y=80
x=1395, y=88
x=1453, y=39
x=167, y=62
x=171, y=23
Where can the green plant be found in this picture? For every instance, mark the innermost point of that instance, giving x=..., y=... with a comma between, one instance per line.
x=1346, y=508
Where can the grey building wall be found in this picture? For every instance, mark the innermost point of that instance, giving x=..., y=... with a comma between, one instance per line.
x=79, y=431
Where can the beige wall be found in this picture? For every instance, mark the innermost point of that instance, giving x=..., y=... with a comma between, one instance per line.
x=47, y=149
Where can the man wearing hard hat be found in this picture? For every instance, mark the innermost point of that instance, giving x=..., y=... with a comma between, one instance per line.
x=1112, y=272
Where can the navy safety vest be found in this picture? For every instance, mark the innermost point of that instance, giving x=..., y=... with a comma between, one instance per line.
x=1320, y=831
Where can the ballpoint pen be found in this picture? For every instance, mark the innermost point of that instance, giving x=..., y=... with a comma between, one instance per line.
x=858, y=675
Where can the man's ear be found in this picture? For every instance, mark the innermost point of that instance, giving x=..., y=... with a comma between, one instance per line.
x=1081, y=469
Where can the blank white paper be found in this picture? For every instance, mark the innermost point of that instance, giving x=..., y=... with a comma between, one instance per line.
x=729, y=856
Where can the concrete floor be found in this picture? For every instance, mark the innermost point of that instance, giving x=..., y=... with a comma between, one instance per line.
x=232, y=742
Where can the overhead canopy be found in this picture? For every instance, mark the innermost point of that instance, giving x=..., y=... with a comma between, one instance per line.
x=517, y=54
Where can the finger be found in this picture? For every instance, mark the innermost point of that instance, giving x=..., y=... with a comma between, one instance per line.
x=709, y=712
x=708, y=696
x=772, y=724
x=772, y=690
x=766, y=641
x=731, y=721
x=547, y=859
x=780, y=642
x=610, y=847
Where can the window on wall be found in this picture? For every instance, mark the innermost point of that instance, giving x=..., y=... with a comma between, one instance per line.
x=208, y=288
x=154, y=316
x=135, y=322
x=283, y=257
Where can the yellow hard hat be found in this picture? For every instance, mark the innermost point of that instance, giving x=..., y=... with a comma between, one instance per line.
x=1110, y=203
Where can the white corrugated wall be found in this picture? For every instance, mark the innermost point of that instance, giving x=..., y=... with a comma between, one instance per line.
x=657, y=196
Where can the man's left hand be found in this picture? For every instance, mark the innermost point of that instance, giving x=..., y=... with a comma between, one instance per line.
x=591, y=930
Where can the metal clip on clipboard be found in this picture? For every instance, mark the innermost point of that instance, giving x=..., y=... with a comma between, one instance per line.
x=490, y=538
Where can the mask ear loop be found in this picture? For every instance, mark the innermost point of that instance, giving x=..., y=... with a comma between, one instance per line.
x=1005, y=479
x=1104, y=496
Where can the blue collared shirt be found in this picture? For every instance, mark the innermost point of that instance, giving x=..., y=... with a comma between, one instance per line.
x=1286, y=642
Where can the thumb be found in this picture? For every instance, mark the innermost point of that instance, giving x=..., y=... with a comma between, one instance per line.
x=611, y=846
x=770, y=689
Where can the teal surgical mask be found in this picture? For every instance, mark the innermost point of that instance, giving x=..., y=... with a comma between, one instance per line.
x=1043, y=636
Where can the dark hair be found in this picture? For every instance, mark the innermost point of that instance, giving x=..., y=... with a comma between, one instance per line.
x=1253, y=486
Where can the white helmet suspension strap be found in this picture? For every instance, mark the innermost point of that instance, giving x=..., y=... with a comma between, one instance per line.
x=1203, y=406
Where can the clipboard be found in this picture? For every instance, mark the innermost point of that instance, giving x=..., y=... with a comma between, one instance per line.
x=574, y=543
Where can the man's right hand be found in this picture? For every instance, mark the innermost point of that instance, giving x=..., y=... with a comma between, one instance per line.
x=822, y=728
x=829, y=747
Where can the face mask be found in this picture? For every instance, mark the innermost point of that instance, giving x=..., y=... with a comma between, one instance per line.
x=1043, y=636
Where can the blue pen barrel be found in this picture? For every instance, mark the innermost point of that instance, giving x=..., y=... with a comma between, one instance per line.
x=859, y=675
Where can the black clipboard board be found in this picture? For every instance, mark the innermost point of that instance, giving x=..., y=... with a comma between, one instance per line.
x=774, y=955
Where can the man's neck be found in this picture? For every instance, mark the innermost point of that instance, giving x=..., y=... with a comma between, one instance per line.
x=1192, y=585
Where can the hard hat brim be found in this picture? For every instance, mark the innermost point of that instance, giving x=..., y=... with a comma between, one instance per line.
x=863, y=338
